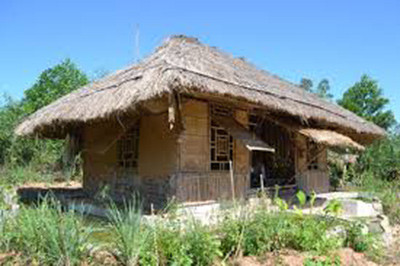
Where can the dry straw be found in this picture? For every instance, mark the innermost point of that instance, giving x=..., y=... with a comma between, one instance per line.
x=185, y=65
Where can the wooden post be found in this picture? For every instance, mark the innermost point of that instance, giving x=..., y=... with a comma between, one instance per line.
x=262, y=177
x=232, y=180
x=198, y=189
x=262, y=183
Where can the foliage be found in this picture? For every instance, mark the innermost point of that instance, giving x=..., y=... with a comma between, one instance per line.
x=181, y=243
x=43, y=155
x=365, y=99
x=128, y=232
x=360, y=242
x=387, y=191
x=301, y=197
x=264, y=231
x=378, y=171
x=334, y=207
x=306, y=84
x=323, y=262
x=323, y=89
x=52, y=84
x=47, y=235
x=382, y=159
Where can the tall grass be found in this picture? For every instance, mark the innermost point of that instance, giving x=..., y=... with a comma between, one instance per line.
x=129, y=236
x=46, y=235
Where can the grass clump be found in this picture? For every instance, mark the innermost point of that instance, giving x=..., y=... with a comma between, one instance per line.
x=46, y=235
x=129, y=236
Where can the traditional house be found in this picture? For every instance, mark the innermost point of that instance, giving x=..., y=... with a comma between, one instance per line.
x=197, y=124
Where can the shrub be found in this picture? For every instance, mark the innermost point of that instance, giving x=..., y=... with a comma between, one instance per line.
x=47, y=235
x=382, y=159
x=264, y=232
x=181, y=243
x=387, y=191
x=378, y=171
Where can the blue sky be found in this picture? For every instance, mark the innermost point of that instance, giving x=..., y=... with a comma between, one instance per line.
x=339, y=40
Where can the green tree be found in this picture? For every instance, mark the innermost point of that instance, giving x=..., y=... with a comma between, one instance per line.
x=365, y=99
x=52, y=84
x=306, y=84
x=323, y=89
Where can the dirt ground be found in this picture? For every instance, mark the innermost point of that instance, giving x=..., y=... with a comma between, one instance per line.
x=348, y=257
x=59, y=185
x=293, y=258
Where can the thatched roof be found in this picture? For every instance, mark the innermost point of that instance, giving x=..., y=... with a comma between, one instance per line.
x=185, y=65
x=330, y=138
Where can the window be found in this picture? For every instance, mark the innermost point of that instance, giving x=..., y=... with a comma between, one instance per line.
x=254, y=121
x=128, y=149
x=221, y=143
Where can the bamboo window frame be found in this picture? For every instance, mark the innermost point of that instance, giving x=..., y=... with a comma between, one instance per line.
x=221, y=142
x=128, y=149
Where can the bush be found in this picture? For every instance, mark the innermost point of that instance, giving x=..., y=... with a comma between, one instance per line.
x=365, y=243
x=46, y=235
x=378, y=171
x=181, y=243
x=265, y=232
x=382, y=159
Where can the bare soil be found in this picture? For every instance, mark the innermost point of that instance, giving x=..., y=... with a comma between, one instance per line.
x=293, y=258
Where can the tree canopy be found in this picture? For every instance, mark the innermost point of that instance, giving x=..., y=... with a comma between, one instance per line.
x=306, y=84
x=365, y=99
x=323, y=90
x=52, y=84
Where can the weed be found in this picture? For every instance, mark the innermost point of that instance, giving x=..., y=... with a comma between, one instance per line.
x=47, y=235
x=126, y=227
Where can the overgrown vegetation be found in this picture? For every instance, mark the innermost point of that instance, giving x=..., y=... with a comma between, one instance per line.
x=377, y=170
x=46, y=235
x=23, y=159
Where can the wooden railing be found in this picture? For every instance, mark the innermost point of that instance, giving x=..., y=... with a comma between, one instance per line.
x=194, y=187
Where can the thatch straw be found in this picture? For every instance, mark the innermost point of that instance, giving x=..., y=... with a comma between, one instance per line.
x=185, y=65
x=330, y=138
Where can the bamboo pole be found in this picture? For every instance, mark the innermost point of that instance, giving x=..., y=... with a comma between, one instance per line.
x=232, y=180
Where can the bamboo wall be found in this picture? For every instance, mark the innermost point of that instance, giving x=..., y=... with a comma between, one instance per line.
x=156, y=164
x=310, y=180
x=178, y=165
x=195, y=181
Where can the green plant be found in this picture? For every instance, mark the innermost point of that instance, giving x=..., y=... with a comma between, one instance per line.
x=365, y=98
x=334, y=207
x=323, y=262
x=312, y=200
x=363, y=242
x=263, y=231
x=127, y=230
x=48, y=235
x=181, y=243
x=301, y=197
